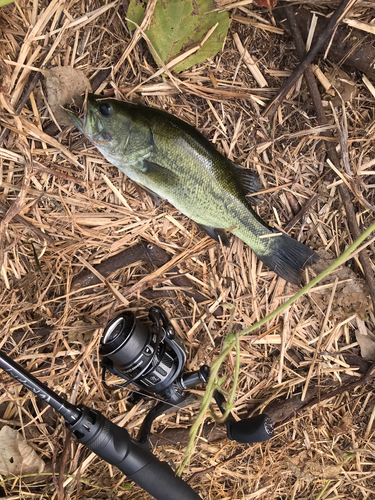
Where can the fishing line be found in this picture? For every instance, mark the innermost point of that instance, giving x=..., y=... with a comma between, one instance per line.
x=128, y=388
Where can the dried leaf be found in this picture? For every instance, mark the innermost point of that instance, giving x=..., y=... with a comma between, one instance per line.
x=300, y=473
x=266, y=3
x=65, y=86
x=344, y=425
x=322, y=471
x=366, y=341
x=308, y=470
x=177, y=26
x=16, y=456
x=345, y=88
x=351, y=296
x=81, y=330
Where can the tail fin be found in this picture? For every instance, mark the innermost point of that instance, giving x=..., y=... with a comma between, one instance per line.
x=287, y=257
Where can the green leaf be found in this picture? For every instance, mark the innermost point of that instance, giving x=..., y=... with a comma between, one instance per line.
x=5, y=2
x=136, y=10
x=227, y=406
x=221, y=380
x=179, y=25
x=127, y=486
x=229, y=338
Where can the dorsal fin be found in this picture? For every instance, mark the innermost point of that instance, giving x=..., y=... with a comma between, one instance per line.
x=248, y=182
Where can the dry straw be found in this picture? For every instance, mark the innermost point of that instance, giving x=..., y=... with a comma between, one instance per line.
x=73, y=210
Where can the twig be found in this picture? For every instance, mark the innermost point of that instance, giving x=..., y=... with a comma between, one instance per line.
x=334, y=20
x=358, y=382
x=33, y=82
x=56, y=173
x=280, y=411
x=18, y=218
x=137, y=34
x=17, y=205
x=173, y=435
x=319, y=343
x=200, y=473
x=250, y=63
x=145, y=252
x=62, y=465
x=301, y=213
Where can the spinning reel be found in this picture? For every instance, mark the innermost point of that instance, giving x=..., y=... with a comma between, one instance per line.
x=152, y=357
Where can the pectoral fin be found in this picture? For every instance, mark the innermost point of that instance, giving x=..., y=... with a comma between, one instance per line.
x=217, y=234
x=159, y=174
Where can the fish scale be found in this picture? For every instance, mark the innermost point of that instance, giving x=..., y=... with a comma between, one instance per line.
x=172, y=159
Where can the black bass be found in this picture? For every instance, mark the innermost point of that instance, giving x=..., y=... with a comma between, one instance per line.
x=172, y=159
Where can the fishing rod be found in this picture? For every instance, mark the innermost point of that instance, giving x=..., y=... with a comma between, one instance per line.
x=151, y=357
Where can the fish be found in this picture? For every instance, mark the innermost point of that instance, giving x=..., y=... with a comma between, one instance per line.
x=172, y=159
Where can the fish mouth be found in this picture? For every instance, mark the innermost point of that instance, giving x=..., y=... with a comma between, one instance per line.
x=89, y=124
x=76, y=120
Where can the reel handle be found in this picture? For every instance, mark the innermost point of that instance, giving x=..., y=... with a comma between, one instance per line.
x=250, y=430
x=157, y=315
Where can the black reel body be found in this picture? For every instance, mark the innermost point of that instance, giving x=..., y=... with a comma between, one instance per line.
x=151, y=357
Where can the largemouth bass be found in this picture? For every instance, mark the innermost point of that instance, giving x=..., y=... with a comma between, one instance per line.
x=168, y=157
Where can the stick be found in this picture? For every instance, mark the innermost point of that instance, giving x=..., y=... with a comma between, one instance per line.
x=350, y=47
x=26, y=94
x=250, y=63
x=18, y=218
x=366, y=379
x=330, y=27
x=280, y=411
x=301, y=213
x=18, y=204
x=145, y=252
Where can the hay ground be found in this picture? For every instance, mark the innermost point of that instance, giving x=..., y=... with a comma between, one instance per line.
x=73, y=217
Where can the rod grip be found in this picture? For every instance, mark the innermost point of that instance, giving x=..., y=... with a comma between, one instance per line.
x=159, y=480
x=114, y=445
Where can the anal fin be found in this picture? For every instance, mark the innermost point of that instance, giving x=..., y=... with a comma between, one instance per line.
x=152, y=195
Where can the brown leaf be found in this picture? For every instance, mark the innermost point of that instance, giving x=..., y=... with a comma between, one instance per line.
x=16, y=456
x=366, y=341
x=308, y=470
x=345, y=88
x=65, y=85
x=351, y=295
x=266, y=3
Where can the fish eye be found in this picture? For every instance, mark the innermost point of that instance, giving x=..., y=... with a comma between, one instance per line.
x=105, y=110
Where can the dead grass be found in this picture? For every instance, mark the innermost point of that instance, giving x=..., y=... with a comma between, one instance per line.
x=72, y=215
